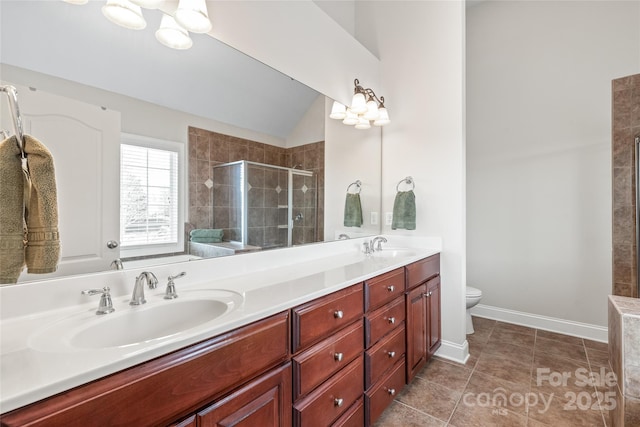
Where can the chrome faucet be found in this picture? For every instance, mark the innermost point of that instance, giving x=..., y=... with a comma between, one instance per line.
x=117, y=264
x=138, y=290
x=171, y=293
x=343, y=236
x=366, y=248
x=379, y=240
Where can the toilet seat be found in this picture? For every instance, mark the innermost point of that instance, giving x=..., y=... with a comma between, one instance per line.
x=473, y=292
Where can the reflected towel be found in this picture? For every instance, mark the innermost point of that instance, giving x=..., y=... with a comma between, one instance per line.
x=215, y=233
x=404, y=211
x=43, y=241
x=11, y=233
x=206, y=239
x=352, y=211
x=42, y=250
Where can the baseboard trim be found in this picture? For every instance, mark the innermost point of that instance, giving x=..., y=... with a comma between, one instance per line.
x=567, y=327
x=454, y=352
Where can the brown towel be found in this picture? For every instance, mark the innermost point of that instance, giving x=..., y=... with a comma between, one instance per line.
x=11, y=232
x=42, y=252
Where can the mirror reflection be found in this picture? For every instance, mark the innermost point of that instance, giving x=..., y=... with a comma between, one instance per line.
x=216, y=108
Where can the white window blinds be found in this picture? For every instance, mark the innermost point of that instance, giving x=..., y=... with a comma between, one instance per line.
x=148, y=196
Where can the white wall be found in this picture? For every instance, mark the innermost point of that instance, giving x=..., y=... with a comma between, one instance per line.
x=538, y=149
x=350, y=154
x=421, y=49
x=310, y=128
x=138, y=117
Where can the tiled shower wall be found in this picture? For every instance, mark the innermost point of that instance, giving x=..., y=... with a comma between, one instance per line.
x=626, y=126
x=207, y=149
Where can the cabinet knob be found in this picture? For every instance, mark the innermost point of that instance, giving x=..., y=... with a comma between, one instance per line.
x=391, y=354
x=338, y=402
x=392, y=320
x=338, y=357
x=391, y=288
x=338, y=314
x=391, y=391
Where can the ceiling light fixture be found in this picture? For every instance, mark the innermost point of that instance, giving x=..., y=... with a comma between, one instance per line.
x=173, y=35
x=192, y=15
x=365, y=108
x=125, y=14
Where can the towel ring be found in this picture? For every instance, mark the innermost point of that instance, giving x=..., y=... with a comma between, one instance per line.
x=407, y=180
x=358, y=184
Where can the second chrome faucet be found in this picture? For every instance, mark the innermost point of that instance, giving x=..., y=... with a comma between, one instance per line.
x=138, y=290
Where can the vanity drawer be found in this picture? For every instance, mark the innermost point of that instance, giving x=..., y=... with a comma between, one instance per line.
x=383, y=392
x=332, y=398
x=384, y=288
x=383, y=356
x=422, y=270
x=354, y=417
x=383, y=320
x=315, y=365
x=320, y=318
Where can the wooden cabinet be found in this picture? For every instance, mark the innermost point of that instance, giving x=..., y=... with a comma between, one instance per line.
x=328, y=364
x=340, y=362
x=423, y=313
x=170, y=387
x=264, y=402
x=384, y=341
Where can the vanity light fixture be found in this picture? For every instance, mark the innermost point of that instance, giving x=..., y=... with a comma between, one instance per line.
x=192, y=15
x=365, y=108
x=124, y=13
x=173, y=35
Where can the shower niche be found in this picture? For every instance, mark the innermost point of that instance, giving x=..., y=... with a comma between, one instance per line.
x=265, y=206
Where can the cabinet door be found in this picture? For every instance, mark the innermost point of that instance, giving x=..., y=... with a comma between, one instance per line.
x=264, y=402
x=433, y=316
x=416, y=330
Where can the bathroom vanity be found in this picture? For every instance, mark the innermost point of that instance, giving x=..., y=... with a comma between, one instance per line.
x=335, y=349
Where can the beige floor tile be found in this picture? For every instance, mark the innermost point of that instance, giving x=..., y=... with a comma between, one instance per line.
x=568, y=413
x=510, y=351
x=596, y=345
x=507, y=369
x=430, y=398
x=399, y=415
x=512, y=337
x=480, y=416
x=597, y=358
x=499, y=393
x=448, y=374
x=559, y=337
x=515, y=328
x=561, y=349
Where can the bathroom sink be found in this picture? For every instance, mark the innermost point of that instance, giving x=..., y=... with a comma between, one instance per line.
x=131, y=326
x=394, y=253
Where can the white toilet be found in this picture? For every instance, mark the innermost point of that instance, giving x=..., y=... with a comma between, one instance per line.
x=473, y=297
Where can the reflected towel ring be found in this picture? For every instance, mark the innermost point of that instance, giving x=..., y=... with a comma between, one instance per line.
x=358, y=184
x=407, y=180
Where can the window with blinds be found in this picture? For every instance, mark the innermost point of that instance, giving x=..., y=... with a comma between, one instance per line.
x=149, y=196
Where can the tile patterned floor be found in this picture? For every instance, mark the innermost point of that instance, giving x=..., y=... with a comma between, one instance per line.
x=516, y=376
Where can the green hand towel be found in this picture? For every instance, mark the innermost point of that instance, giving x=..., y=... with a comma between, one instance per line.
x=206, y=239
x=404, y=211
x=352, y=211
x=215, y=233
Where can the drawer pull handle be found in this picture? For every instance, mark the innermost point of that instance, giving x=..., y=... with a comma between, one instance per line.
x=338, y=402
x=427, y=294
x=391, y=288
x=391, y=391
x=338, y=314
x=392, y=320
x=338, y=357
x=392, y=354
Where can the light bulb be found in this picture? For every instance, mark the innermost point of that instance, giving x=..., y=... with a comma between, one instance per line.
x=193, y=16
x=124, y=13
x=363, y=123
x=358, y=103
x=351, y=118
x=338, y=111
x=383, y=117
x=372, y=110
x=173, y=35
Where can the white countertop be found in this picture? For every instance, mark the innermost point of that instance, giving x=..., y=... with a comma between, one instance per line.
x=268, y=283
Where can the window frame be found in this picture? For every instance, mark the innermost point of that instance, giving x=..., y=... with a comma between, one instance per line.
x=162, y=248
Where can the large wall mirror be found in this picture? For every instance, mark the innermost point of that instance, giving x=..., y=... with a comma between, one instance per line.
x=228, y=115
